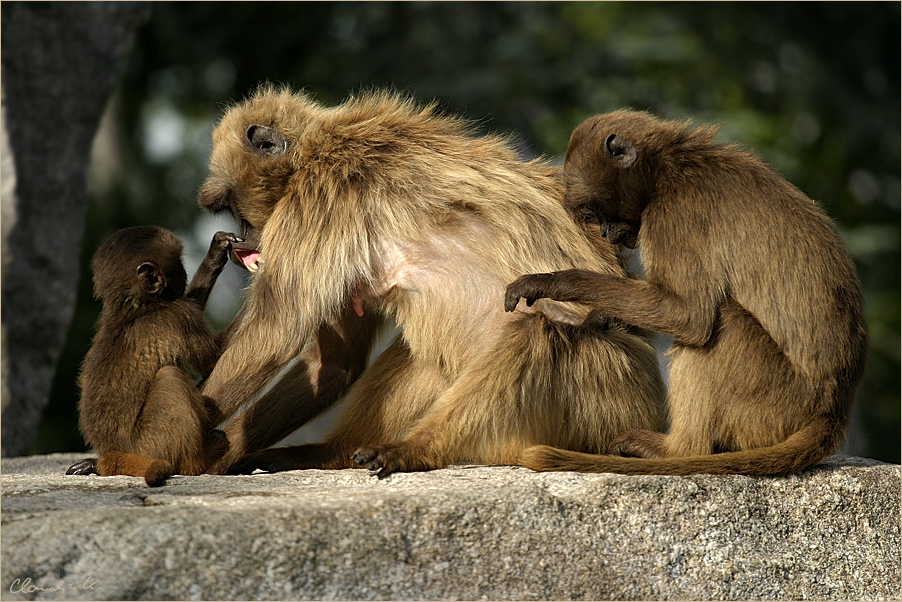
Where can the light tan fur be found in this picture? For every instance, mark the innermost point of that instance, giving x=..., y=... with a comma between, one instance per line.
x=392, y=208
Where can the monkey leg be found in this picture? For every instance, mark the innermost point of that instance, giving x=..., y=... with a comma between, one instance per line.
x=321, y=375
x=290, y=404
x=691, y=405
x=728, y=395
x=174, y=424
x=562, y=385
x=383, y=405
x=761, y=396
x=458, y=419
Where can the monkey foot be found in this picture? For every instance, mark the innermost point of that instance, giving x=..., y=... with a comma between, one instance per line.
x=387, y=459
x=263, y=460
x=86, y=466
x=297, y=457
x=638, y=443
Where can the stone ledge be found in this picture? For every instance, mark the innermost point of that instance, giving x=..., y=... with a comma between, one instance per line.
x=461, y=533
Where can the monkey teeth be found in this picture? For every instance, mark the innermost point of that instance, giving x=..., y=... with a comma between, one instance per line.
x=249, y=258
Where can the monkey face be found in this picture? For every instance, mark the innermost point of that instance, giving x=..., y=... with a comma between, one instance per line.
x=607, y=178
x=249, y=194
x=252, y=161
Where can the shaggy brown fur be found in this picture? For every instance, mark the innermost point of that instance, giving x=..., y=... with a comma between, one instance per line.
x=139, y=408
x=748, y=275
x=379, y=206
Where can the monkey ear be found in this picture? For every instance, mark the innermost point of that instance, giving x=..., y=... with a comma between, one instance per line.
x=620, y=150
x=266, y=141
x=151, y=278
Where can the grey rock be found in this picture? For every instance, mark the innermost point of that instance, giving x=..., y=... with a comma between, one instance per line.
x=462, y=533
x=60, y=64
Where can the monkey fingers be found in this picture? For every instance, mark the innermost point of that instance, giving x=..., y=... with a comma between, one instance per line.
x=529, y=287
x=385, y=460
x=568, y=285
x=86, y=466
x=220, y=246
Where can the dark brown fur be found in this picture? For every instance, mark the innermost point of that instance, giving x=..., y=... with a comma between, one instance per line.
x=380, y=207
x=748, y=275
x=139, y=407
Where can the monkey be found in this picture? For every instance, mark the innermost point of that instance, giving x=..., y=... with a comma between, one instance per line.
x=383, y=208
x=139, y=406
x=746, y=272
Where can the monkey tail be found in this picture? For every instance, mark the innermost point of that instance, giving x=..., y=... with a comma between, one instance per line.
x=804, y=448
x=155, y=472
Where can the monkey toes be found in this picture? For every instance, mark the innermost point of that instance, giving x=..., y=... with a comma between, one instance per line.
x=638, y=443
x=86, y=466
x=387, y=459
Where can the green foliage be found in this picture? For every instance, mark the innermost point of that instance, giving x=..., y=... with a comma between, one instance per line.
x=813, y=87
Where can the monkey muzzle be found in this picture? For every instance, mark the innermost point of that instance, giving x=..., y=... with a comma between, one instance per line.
x=244, y=253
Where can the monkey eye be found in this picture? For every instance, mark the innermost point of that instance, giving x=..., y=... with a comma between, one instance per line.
x=585, y=215
x=266, y=141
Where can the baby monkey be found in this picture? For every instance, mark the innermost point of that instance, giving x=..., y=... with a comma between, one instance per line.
x=140, y=408
x=749, y=276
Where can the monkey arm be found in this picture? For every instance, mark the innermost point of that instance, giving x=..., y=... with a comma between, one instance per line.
x=321, y=375
x=641, y=303
x=251, y=360
x=210, y=268
x=309, y=267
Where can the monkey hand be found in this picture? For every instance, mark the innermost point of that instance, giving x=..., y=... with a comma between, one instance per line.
x=529, y=287
x=387, y=459
x=218, y=255
x=567, y=285
x=86, y=466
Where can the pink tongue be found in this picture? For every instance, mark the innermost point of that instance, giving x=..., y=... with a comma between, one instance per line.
x=247, y=258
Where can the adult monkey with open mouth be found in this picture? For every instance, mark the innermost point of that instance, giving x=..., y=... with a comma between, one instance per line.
x=379, y=206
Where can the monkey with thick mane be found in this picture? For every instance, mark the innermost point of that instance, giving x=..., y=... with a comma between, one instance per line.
x=748, y=275
x=139, y=406
x=380, y=207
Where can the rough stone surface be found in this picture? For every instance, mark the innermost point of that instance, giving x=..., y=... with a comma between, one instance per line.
x=460, y=533
x=60, y=63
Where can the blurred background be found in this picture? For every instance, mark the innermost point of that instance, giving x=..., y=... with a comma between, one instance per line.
x=813, y=87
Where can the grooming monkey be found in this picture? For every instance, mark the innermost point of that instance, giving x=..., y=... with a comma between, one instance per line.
x=139, y=407
x=748, y=275
x=378, y=207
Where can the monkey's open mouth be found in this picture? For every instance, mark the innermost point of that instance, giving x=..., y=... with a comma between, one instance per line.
x=245, y=252
x=246, y=256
